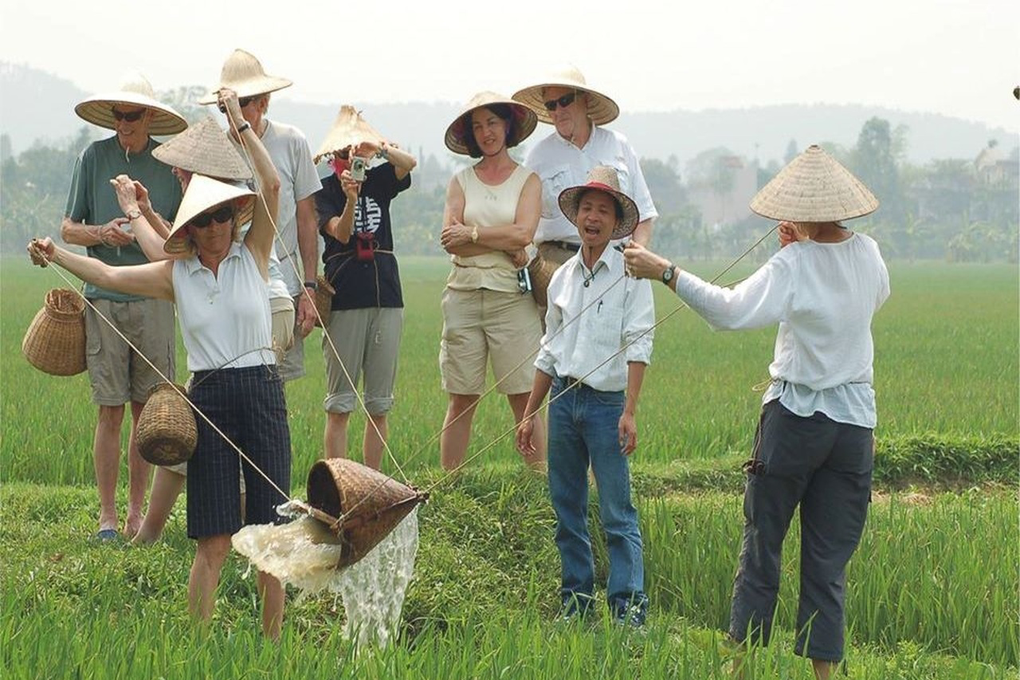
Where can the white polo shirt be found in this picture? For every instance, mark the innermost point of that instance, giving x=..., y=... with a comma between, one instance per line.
x=586, y=324
x=560, y=164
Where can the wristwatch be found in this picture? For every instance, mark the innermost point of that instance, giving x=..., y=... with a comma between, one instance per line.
x=382, y=152
x=312, y=285
x=474, y=234
x=667, y=275
x=133, y=214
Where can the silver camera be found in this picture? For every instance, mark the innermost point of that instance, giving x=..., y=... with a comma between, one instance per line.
x=358, y=167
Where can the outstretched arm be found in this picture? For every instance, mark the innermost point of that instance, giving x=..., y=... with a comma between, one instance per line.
x=150, y=280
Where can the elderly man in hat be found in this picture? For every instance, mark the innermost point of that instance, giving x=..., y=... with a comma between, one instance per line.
x=93, y=219
x=297, y=240
x=578, y=144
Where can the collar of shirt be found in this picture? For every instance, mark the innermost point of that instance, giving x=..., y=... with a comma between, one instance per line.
x=606, y=261
x=194, y=264
x=595, y=130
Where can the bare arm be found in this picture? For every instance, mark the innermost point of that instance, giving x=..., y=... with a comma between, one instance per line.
x=539, y=390
x=110, y=234
x=628, y=421
x=154, y=279
x=403, y=163
x=133, y=199
x=308, y=237
x=643, y=232
x=506, y=237
x=453, y=214
x=341, y=227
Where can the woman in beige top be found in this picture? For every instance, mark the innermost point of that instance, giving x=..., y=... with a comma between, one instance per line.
x=492, y=210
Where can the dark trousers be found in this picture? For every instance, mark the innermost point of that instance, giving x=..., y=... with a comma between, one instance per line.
x=825, y=467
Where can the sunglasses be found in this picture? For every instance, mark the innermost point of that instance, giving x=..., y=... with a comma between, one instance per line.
x=131, y=116
x=203, y=220
x=242, y=102
x=563, y=102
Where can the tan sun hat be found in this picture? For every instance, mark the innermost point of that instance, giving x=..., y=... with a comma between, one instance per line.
x=134, y=90
x=601, y=109
x=814, y=187
x=602, y=178
x=523, y=117
x=243, y=74
x=349, y=129
x=202, y=194
x=205, y=149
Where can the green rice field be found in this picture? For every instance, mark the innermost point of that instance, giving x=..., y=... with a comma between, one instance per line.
x=932, y=592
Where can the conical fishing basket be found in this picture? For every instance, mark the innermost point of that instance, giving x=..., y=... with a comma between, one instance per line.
x=55, y=340
x=541, y=271
x=167, y=432
x=360, y=505
x=324, y=293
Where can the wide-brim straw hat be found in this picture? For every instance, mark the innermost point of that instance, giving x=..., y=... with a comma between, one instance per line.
x=205, y=149
x=601, y=109
x=814, y=187
x=202, y=194
x=134, y=90
x=349, y=129
x=525, y=119
x=602, y=178
x=243, y=74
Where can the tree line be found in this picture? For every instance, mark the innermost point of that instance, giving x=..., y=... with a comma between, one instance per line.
x=958, y=210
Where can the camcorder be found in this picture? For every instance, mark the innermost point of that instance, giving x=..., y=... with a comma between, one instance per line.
x=358, y=167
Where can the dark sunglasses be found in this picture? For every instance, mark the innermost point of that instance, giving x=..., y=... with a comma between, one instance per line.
x=242, y=102
x=131, y=117
x=203, y=220
x=563, y=102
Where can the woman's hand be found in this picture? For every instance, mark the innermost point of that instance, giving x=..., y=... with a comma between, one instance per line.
x=226, y=100
x=350, y=186
x=41, y=251
x=454, y=235
x=789, y=233
x=643, y=263
x=519, y=257
x=525, y=446
x=366, y=149
x=127, y=193
x=628, y=433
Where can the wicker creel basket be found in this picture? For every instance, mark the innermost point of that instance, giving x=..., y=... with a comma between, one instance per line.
x=369, y=504
x=55, y=340
x=541, y=271
x=167, y=432
x=324, y=293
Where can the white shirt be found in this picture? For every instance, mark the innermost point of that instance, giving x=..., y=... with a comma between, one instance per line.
x=585, y=325
x=823, y=295
x=225, y=319
x=560, y=164
x=288, y=149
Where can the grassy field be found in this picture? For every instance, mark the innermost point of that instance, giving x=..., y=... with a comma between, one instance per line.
x=932, y=592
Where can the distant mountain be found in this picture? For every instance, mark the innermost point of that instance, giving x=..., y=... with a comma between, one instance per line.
x=38, y=105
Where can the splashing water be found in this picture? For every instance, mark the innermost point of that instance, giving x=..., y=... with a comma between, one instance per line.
x=304, y=553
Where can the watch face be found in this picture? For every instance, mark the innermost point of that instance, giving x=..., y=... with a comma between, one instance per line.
x=667, y=275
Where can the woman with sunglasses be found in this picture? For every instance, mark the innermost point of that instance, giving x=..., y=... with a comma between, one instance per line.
x=220, y=291
x=578, y=144
x=491, y=212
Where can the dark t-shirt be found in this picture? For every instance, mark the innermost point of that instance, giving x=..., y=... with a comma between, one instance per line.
x=362, y=284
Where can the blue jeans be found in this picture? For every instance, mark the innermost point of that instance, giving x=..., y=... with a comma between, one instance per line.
x=583, y=430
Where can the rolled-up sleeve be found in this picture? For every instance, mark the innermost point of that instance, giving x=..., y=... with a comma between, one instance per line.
x=760, y=300
x=639, y=321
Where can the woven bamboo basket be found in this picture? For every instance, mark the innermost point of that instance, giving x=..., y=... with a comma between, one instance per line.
x=541, y=271
x=369, y=504
x=167, y=432
x=324, y=293
x=55, y=340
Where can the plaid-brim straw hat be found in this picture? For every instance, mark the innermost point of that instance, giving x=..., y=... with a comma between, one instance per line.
x=814, y=187
x=349, y=129
x=205, y=149
x=135, y=90
x=202, y=194
x=602, y=178
x=243, y=74
x=601, y=109
x=458, y=130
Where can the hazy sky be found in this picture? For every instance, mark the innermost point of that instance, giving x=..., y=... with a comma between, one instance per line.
x=960, y=58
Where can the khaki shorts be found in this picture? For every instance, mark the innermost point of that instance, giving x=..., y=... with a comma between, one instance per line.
x=283, y=326
x=368, y=342
x=293, y=364
x=483, y=324
x=117, y=373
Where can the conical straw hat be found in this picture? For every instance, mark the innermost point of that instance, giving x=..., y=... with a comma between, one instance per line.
x=134, y=90
x=243, y=74
x=202, y=194
x=205, y=149
x=814, y=187
x=349, y=129
x=523, y=117
x=602, y=178
x=370, y=503
x=601, y=109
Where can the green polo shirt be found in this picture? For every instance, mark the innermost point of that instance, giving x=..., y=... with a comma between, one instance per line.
x=92, y=199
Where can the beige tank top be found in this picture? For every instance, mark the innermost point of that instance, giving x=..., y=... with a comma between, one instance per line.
x=488, y=206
